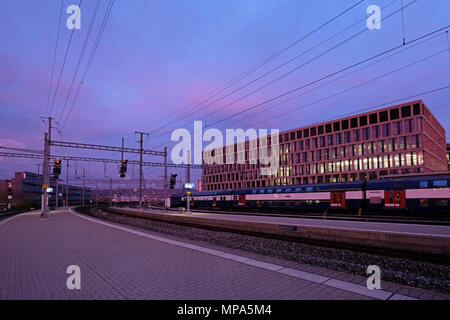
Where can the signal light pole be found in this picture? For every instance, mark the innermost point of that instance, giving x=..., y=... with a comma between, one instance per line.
x=141, y=149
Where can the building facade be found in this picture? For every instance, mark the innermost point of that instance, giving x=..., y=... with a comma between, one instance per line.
x=27, y=191
x=397, y=140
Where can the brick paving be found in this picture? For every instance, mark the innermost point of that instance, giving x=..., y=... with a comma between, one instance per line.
x=34, y=255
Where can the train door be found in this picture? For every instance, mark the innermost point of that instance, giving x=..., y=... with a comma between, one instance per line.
x=337, y=199
x=241, y=200
x=395, y=199
x=214, y=202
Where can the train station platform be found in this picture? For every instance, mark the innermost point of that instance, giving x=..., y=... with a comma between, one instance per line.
x=120, y=262
x=422, y=239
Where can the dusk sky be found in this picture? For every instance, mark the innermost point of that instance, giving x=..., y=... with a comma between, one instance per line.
x=156, y=59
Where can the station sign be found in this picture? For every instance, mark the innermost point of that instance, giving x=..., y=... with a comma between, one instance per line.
x=49, y=189
x=189, y=185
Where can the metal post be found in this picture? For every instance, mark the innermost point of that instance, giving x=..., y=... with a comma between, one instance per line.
x=67, y=184
x=141, y=149
x=188, y=178
x=56, y=194
x=96, y=192
x=165, y=178
x=110, y=191
x=84, y=175
x=44, y=205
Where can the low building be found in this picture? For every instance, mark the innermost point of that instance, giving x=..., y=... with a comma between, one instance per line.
x=27, y=191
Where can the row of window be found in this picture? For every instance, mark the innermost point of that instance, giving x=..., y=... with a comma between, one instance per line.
x=378, y=117
x=357, y=135
x=369, y=163
x=355, y=150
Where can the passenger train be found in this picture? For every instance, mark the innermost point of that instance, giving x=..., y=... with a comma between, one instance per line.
x=418, y=195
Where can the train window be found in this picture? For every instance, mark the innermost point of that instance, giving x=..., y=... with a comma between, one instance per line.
x=261, y=191
x=423, y=184
x=441, y=202
x=298, y=189
x=254, y=191
x=278, y=190
x=270, y=191
x=287, y=190
x=309, y=189
x=440, y=183
x=424, y=202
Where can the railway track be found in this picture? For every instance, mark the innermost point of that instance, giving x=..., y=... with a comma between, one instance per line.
x=363, y=218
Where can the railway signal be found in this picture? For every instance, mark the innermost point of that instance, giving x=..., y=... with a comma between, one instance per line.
x=123, y=168
x=10, y=190
x=173, y=180
x=57, y=168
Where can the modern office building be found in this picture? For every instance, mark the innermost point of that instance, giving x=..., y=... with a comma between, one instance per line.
x=397, y=140
x=448, y=156
x=27, y=191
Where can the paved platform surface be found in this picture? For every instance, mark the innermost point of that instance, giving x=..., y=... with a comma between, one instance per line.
x=356, y=225
x=117, y=264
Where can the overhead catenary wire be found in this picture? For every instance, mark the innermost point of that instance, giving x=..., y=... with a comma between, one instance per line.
x=297, y=68
x=64, y=63
x=80, y=59
x=91, y=58
x=54, y=58
x=220, y=89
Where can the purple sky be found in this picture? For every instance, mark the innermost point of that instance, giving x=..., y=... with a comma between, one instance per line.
x=157, y=57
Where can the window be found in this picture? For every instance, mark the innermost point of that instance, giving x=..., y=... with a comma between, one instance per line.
x=440, y=183
x=292, y=135
x=423, y=184
x=394, y=114
x=313, y=132
x=363, y=120
x=307, y=144
x=328, y=128
x=365, y=133
x=347, y=137
x=306, y=133
x=356, y=135
x=354, y=122
x=397, y=128
x=383, y=116
x=386, y=128
x=330, y=140
x=416, y=109
x=373, y=118
x=299, y=134
x=375, y=132
x=336, y=126
x=300, y=145
x=322, y=141
x=338, y=138
x=344, y=124
x=406, y=111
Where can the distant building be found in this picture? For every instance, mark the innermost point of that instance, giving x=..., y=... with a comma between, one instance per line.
x=27, y=191
x=396, y=140
x=448, y=156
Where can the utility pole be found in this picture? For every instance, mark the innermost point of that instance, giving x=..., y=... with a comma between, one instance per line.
x=84, y=175
x=38, y=167
x=110, y=191
x=46, y=169
x=141, y=149
x=165, y=178
x=188, y=178
x=67, y=184
x=56, y=193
